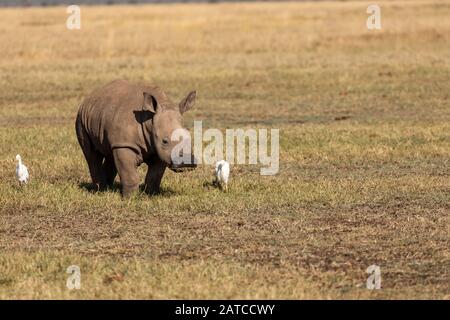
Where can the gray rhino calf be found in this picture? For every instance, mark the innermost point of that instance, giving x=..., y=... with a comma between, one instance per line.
x=122, y=125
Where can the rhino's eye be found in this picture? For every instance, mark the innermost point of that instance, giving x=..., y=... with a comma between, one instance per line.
x=165, y=140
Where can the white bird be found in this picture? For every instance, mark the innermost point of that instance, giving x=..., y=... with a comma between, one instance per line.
x=21, y=171
x=222, y=174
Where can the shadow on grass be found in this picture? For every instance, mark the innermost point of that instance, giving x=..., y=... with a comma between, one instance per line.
x=163, y=192
x=210, y=184
x=91, y=188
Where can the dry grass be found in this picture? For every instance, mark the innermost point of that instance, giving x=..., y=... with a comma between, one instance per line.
x=365, y=148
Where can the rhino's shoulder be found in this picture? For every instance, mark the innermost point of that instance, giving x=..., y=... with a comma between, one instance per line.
x=125, y=92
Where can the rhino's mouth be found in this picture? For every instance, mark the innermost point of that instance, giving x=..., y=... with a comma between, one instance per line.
x=183, y=167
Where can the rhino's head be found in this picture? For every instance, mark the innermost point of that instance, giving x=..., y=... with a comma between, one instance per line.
x=168, y=135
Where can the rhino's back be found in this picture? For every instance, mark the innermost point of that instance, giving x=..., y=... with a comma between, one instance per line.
x=110, y=115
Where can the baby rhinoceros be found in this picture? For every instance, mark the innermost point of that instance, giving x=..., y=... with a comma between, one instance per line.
x=122, y=125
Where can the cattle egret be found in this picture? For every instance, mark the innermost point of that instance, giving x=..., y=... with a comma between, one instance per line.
x=21, y=171
x=222, y=173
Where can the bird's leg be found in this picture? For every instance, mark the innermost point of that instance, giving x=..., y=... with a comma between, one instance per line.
x=226, y=187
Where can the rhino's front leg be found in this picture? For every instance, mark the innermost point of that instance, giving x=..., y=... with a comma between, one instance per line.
x=154, y=175
x=126, y=163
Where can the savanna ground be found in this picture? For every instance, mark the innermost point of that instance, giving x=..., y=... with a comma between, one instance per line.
x=364, y=119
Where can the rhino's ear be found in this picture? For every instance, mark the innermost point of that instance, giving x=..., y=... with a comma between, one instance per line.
x=188, y=102
x=150, y=103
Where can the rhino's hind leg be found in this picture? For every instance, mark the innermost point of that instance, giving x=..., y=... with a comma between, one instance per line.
x=94, y=158
x=109, y=171
x=154, y=175
x=126, y=164
x=95, y=161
